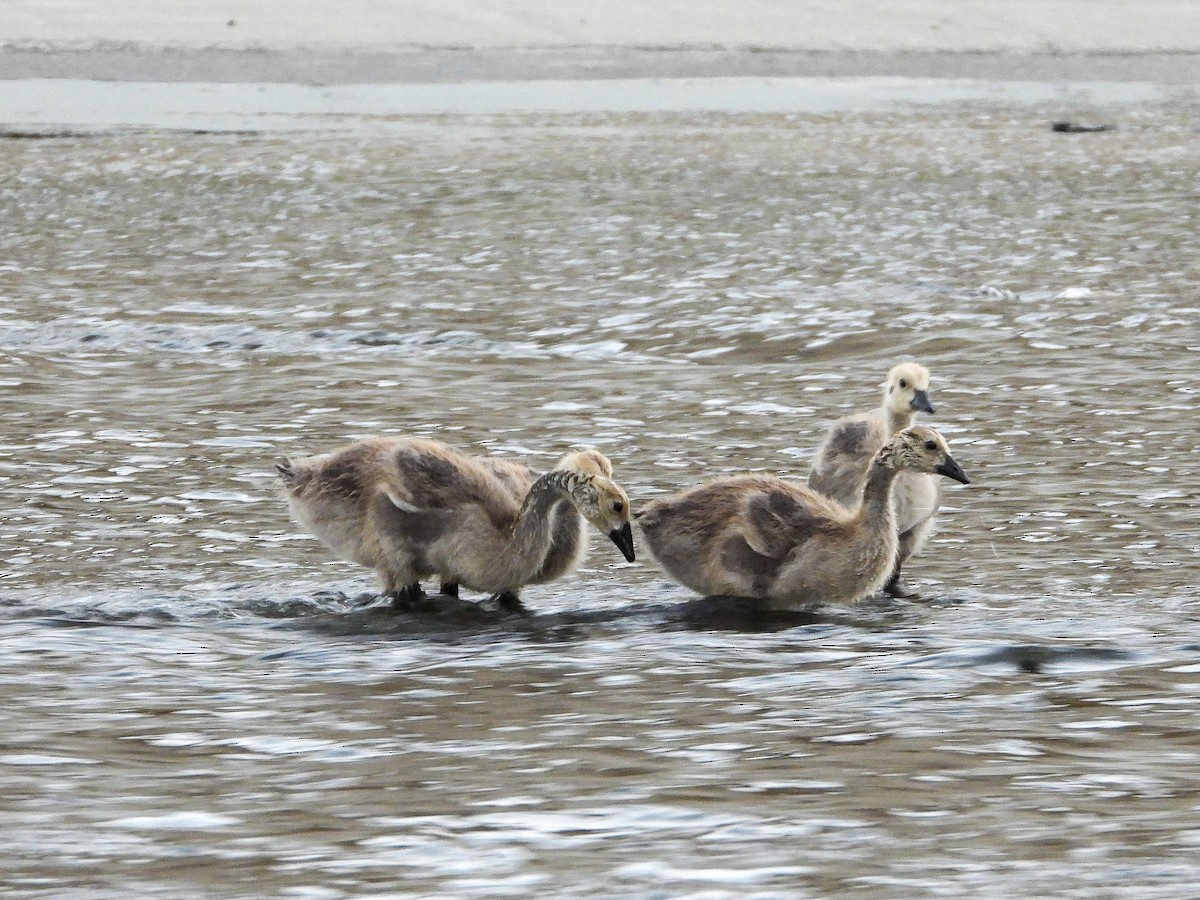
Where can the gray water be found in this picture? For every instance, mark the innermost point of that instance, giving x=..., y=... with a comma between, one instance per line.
x=201, y=702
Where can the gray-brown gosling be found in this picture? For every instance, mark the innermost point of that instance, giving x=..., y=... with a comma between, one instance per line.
x=411, y=509
x=845, y=455
x=760, y=536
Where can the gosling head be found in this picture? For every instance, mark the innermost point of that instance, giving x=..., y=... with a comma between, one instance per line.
x=586, y=462
x=923, y=450
x=907, y=390
x=598, y=498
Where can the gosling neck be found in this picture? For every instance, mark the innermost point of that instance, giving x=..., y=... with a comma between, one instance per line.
x=877, y=494
x=533, y=531
x=897, y=420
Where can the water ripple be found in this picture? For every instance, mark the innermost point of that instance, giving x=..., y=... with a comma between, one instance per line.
x=198, y=697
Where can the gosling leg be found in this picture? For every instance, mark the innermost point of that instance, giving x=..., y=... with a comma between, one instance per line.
x=449, y=589
x=894, y=587
x=407, y=598
x=508, y=600
x=909, y=542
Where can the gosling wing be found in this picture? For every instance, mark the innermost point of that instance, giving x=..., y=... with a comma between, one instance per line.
x=424, y=475
x=777, y=517
x=516, y=478
x=842, y=461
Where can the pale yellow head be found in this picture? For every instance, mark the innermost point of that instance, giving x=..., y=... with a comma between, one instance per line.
x=906, y=390
x=586, y=462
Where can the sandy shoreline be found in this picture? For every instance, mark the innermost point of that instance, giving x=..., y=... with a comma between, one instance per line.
x=417, y=41
x=1063, y=26
x=336, y=65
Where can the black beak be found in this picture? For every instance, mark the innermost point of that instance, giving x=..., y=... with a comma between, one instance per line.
x=951, y=469
x=623, y=538
x=920, y=402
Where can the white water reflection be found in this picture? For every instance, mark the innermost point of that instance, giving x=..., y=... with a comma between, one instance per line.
x=221, y=106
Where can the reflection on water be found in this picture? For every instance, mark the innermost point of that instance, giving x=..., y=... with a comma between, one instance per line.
x=40, y=103
x=201, y=701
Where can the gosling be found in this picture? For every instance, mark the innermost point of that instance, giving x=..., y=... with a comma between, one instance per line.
x=411, y=508
x=775, y=540
x=846, y=453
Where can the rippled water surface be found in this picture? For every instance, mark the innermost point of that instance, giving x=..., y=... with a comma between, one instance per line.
x=201, y=702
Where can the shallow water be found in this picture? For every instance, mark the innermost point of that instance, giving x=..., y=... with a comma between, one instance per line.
x=39, y=103
x=201, y=702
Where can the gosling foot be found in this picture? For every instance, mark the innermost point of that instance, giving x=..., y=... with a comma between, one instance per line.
x=510, y=602
x=408, y=598
x=896, y=588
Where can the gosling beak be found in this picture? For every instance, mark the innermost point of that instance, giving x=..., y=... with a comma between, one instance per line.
x=920, y=402
x=623, y=538
x=951, y=469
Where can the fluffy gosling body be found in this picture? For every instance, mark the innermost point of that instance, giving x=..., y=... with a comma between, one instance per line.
x=846, y=453
x=412, y=509
x=760, y=536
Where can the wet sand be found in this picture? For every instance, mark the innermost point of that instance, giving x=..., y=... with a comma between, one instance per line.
x=331, y=65
x=364, y=42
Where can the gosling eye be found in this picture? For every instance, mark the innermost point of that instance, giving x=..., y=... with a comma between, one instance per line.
x=618, y=506
x=930, y=445
x=903, y=383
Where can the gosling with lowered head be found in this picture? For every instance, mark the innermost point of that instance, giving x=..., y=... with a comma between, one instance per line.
x=412, y=508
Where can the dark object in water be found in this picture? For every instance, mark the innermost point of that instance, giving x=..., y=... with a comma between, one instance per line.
x=1030, y=666
x=19, y=134
x=1076, y=128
